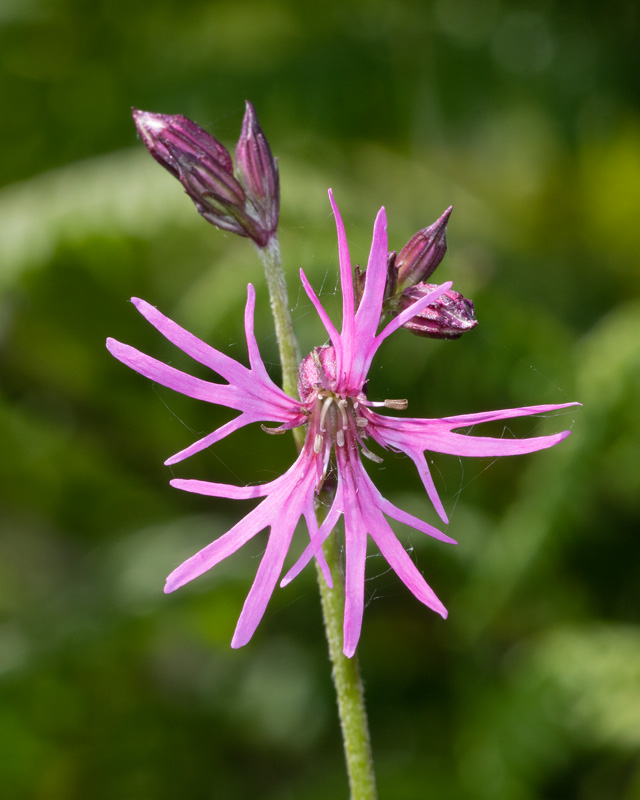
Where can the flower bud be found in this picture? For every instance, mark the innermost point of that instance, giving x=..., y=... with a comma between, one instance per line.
x=257, y=171
x=205, y=169
x=448, y=317
x=423, y=252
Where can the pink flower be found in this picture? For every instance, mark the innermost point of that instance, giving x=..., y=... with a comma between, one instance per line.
x=340, y=419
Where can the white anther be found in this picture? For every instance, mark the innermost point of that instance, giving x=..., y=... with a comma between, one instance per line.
x=362, y=422
x=340, y=438
x=371, y=456
x=397, y=404
x=317, y=444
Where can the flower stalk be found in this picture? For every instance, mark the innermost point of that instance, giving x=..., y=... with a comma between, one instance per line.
x=287, y=342
x=346, y=679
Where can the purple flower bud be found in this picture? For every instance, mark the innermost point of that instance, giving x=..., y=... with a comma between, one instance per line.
x=423, y=252
x=257, y=171
x=205, y=169
x=448, y=318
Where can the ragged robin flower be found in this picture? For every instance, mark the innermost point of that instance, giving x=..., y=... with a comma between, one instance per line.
x=341, y=422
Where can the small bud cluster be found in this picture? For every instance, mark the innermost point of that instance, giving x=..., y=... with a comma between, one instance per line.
x=451, y=314
x=246, y=203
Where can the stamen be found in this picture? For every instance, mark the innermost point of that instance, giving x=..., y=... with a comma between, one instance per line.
x=342, y=405
x=362, y=422
x=340, y=438
x=325, y=408
x=317, y=444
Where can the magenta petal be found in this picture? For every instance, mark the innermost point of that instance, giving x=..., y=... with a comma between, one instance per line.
x=484, y=446
x=408, y=519
x=462, y=420
x=399, y=560
x=259, y=381
x=282, y=528
x=344, y=354
x=346, y=277
x=420, y=461
x=393, y=552
x=379, y=434
x=368, y=315
x=227, y=490
x=436, y=436
x=212, y=438
x=409, y=313
x=355, y=553
x=312, y=527
x=315, y=545
x=221, y=548
x=228, y=368
x=172, y=378
x=329, y=326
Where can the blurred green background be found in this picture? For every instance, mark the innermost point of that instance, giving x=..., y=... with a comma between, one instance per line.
x=525, y=116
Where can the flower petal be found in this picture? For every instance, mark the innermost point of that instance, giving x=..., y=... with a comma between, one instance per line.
x=462, y=420
x=221, y=548
x=411, y=434
x=409, y=313
x=346, y=276
x=283, y=526
x=343, y=354
x=315, y=545
x=212, y=438
x=370, y=308
x=399, y=560
x=355, y=554
x=228, y=368
x=336, y=341
x=389, y=545
x=172, y=378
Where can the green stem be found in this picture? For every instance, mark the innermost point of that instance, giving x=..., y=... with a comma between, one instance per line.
x=346, y=675
x=287, y=342
x=346, y=678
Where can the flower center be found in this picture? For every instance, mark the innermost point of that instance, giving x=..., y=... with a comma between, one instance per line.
x=335, y=417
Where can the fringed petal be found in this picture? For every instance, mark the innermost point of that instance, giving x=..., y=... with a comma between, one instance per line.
x=172, y=378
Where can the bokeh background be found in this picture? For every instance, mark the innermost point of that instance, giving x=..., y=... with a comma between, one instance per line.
x=523, y=115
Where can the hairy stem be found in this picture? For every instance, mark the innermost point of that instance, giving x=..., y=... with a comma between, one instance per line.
x=287, y=342
x=346, y=678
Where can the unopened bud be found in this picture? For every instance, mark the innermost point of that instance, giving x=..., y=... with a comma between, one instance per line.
x=257, y=171
x=423, y=252
x=448, y=317
x=205, y=169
